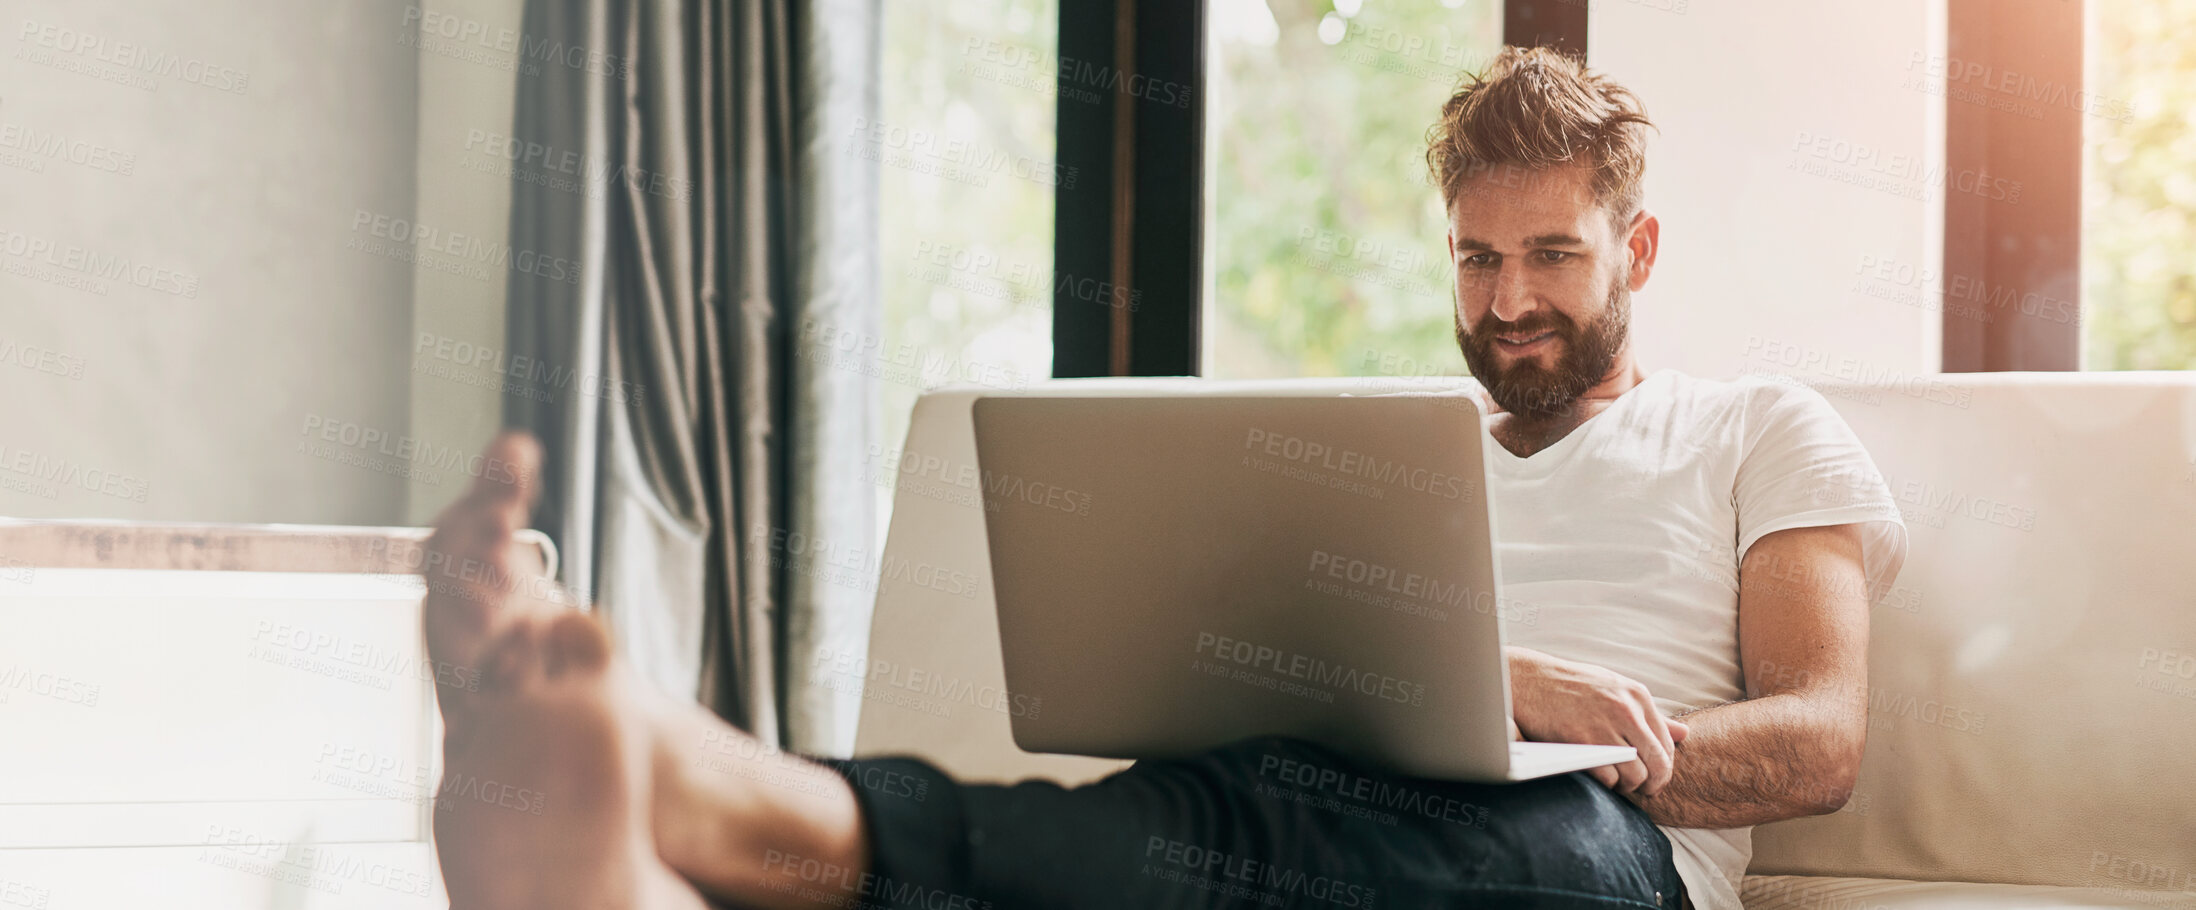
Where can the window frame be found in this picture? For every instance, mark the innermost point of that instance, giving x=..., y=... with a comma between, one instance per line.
x=1134, y=219
x=2013, y=249
x=1128, y=236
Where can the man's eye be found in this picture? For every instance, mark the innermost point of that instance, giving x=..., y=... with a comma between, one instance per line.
x=1552, y=257
x=1479, y=260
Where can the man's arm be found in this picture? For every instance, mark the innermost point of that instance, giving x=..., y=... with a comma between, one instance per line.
x=1793, y=747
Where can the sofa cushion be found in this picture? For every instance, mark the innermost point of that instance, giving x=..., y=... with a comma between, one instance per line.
x=2032, y=671
x=1807, y=892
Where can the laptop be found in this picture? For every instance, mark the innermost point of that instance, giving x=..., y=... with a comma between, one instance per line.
x=1175, y=573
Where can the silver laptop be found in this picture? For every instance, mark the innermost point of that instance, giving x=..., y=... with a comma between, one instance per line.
x=1178, y=573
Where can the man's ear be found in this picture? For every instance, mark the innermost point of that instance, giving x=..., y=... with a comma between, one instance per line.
x=1643, y=243
x=1451, y=234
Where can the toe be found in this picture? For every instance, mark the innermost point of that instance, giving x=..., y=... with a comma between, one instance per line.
x=576, y=643
x=510, y=470
x=473, y=564
x=514, y=662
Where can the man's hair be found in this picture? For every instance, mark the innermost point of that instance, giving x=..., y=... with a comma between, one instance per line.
x=1537, y=108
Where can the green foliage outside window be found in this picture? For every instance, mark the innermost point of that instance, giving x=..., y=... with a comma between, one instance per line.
x=2139, y=201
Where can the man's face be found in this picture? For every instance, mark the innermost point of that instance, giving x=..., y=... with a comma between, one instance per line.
x=1543, y=286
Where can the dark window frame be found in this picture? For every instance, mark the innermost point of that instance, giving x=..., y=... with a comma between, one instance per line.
x=1128, y=247
x=1128, y=237
x=2018, y=257
x=1128, y=232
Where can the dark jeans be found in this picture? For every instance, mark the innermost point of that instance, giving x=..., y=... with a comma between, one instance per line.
x=1266, y=822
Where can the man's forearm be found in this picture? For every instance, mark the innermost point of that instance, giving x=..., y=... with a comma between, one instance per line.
x=1755, y=761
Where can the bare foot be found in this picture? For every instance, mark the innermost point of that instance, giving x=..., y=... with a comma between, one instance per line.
x=745, y=820
x=545, y=804
x=725, y=811
x=479, y=579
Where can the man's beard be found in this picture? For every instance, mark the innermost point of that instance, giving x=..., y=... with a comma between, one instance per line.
x=1529, y=391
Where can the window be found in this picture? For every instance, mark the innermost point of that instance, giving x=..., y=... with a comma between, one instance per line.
x=1324, y=235
x=967, y=173
x=2139, y=187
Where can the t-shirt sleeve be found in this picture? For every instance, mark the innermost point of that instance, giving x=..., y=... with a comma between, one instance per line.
x=1803, y=468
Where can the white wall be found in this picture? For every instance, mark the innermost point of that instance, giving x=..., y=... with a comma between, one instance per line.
x=228, y=176
x=468, y=86
x=1773, y=258
x=284, y=199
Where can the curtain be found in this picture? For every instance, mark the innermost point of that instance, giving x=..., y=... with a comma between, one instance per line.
x=696, y=461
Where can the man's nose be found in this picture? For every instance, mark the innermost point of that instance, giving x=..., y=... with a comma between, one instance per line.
x=1510, y=297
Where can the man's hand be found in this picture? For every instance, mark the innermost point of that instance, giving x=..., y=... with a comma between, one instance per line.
x=1565, y=701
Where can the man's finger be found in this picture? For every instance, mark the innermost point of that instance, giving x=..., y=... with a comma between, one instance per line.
x=1606, y=774
x=1630, y=775
x=1678, y=730
x=1656, y=751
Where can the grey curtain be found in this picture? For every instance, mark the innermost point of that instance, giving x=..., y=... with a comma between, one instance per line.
x=696, y=460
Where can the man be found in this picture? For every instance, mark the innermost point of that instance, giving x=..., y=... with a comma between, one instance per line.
x=1702, y=554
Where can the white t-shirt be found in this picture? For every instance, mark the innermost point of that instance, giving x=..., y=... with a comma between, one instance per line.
x=1626, y=535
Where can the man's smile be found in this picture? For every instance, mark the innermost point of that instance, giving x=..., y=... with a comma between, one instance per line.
x=1524, y=343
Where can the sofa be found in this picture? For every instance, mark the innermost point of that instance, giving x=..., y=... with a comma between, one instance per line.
x=217, y=716
x=2032, y=723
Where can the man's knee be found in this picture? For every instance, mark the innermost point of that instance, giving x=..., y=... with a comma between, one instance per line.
x=1575, y=812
